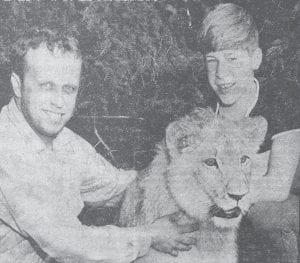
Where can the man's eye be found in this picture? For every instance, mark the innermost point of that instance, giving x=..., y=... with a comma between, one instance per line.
x=211, y=162
x=232, y=59
x=244, y=159
x=46, y=86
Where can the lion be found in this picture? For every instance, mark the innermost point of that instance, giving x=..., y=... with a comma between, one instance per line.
x=202, y=171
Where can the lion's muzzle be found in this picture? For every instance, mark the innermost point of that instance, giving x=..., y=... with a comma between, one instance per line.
x=228, y=214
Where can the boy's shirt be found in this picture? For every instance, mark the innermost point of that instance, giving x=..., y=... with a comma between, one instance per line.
x=42, y=193
x=278, y=101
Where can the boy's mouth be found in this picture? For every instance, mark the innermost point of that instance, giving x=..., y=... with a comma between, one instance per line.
x=224, y=88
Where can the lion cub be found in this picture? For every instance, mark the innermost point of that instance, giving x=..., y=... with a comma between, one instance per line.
x=201, y=171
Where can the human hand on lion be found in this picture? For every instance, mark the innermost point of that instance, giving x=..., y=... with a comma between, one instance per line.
x=169, y=237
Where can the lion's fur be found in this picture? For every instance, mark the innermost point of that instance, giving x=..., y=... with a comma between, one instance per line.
x=178, y=179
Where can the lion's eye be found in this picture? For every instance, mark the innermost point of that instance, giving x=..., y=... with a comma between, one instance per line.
x=244, y=159
x=211, y=162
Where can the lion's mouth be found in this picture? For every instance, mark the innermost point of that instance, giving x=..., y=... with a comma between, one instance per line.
x=228, y=214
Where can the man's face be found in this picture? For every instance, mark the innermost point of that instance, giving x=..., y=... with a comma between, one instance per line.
x=231, y=72
x=49, y=91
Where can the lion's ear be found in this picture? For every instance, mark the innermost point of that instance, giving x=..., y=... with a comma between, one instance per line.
x=178, y=137
x=255, y=129
x=183, y=133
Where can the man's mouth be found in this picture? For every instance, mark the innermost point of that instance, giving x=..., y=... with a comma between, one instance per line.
x=228, y=214
x=53, y=115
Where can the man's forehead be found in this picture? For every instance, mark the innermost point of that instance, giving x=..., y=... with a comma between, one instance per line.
x=56, y=66
x=42, y=55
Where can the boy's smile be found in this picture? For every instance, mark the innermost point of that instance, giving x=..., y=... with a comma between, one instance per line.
x=231, y=72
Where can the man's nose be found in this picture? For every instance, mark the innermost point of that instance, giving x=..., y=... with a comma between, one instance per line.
x=58, y=99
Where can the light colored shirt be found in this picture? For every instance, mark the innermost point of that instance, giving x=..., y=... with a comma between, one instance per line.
x=43, y=190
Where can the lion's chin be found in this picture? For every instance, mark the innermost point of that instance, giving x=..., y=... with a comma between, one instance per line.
x=226, y=223
x=226, y=218
x=228, y=214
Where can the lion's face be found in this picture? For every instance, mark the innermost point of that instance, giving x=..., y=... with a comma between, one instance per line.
x=210, y=164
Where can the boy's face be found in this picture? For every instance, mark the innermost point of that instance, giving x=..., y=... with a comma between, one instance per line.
x=231, y=72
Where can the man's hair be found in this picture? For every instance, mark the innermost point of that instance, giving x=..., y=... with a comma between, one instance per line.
x=33, y=38
x=228, y=26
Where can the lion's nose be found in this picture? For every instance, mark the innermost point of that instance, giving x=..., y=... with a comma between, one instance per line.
x=236, y=197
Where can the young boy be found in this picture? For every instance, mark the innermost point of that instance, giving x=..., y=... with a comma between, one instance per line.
x=229, y=40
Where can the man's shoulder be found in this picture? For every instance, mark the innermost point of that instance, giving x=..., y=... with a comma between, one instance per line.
x=8, y=132
x=78, y=142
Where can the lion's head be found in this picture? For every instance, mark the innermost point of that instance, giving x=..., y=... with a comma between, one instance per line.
x=210, y=164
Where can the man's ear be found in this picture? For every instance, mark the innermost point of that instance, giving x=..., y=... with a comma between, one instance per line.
x=256, y=58
x=16, y=84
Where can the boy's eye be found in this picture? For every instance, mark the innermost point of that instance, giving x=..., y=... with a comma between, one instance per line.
x=69, y=89
x=210, y=60
x=211, y=63
x=244, y=159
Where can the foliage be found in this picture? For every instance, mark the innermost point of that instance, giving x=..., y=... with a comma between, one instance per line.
x=141, y=57
x=278, y=22
x=133, y=56
x=16, y=17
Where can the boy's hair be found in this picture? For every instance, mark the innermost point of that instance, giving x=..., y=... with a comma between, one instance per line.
x=33, y=38
x=228, y=26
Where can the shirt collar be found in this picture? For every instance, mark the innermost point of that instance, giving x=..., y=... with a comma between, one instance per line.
x=32, y=140
x=251, y=106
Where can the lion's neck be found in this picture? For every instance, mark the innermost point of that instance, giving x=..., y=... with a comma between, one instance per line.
x=216, y=244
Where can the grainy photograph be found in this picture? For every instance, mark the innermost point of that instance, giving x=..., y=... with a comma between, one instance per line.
x=149, y=131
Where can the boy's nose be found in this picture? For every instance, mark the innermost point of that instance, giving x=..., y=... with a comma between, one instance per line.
x=222, y=70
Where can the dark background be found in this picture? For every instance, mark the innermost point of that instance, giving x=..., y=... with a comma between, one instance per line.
x=142, y=65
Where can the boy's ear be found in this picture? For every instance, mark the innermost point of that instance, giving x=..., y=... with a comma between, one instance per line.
x=16, y=84
x=256, y=58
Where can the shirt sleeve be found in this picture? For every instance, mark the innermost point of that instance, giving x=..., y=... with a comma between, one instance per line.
x=101, y=181
x=61, y=235
x=284, y=115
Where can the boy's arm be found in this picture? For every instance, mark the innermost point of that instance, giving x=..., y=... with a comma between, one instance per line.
x=282, y=164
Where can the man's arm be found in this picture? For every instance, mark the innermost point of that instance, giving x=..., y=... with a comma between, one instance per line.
x=282, y=164
x=58, y=232
x=102, y=183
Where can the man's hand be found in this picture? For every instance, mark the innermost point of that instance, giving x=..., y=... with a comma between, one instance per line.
x=170, y=238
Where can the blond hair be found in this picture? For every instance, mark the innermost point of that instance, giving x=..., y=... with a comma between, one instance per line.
x=33, y=38
x=228, y=26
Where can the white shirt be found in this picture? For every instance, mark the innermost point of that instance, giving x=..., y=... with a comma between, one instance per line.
x=42, y=193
